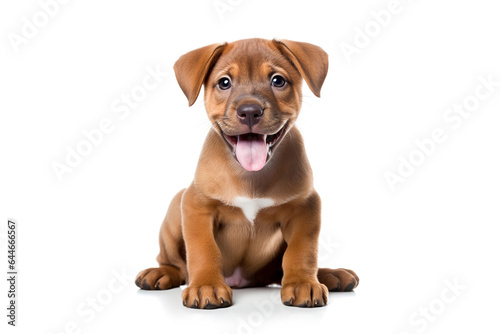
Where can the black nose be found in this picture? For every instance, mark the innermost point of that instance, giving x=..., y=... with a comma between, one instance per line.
x=249, y=114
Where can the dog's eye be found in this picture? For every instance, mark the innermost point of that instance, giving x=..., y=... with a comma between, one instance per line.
x=278, y=81
x=224, y=83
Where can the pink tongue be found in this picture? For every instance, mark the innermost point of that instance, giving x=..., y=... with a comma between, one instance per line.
x=251, y=151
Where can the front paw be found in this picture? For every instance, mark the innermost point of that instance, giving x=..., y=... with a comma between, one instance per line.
x=304, y=294
x=207, y=296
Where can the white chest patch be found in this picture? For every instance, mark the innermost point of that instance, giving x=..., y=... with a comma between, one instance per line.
x=252, y=206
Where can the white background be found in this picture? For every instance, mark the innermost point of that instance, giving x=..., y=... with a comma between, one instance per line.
x=440, y=225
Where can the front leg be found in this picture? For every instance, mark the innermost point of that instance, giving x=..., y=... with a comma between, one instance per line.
x=207, y=288
x=300, y=285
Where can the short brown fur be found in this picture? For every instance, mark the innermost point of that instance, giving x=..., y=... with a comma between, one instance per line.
x=205, y=238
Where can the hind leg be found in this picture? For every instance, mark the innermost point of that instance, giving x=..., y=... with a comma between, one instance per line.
x=338, y=279
x=172, y=271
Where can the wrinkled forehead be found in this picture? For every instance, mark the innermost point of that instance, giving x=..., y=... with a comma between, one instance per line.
x=251, y=59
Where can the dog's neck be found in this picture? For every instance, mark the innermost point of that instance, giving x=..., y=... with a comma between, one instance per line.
x=219, y=176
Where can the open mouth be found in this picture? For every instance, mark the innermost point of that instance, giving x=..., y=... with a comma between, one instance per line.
x=253, y=150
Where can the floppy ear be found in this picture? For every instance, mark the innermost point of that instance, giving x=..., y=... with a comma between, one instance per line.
x=310, y=60
x=192, y=68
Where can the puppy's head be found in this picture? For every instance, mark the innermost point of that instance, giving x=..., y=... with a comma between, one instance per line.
x=252, y=91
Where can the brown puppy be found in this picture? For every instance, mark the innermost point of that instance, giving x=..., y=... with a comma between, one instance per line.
x=251, y=217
